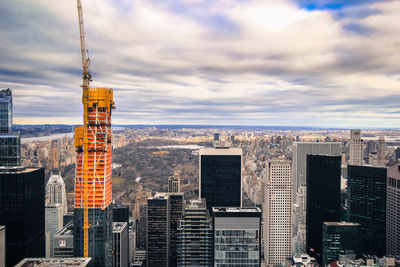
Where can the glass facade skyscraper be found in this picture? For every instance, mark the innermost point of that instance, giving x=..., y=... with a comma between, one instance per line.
x=323, y=198
x=366, y=192
x=10, y=143
x=339, y=236
x=237, y=237
x=220, y=177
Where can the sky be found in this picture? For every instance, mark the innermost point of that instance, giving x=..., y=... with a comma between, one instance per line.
x=322, y=63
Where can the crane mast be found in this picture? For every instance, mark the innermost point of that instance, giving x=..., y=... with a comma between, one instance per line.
x=87, y=78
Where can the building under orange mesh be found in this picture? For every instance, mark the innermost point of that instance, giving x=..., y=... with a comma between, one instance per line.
x=100, y=104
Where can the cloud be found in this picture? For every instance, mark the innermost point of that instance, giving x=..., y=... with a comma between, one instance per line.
x=252, y=62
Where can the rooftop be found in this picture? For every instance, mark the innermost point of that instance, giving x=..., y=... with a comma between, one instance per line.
x=47, y=262
x=17, y=169
x=223, y=151
x=118, y=226
x=66, y=230
x=341, y=223
x=235, y=209
x=394, y=171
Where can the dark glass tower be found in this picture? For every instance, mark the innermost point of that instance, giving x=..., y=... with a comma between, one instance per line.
x=366, y=190
x=10, y=143
x=120, y=213
x=220, y=177
x=22, y=212
x=158, y=224
x=393, y=211
x=175, y=212
x=323, y=198
x=339, y=236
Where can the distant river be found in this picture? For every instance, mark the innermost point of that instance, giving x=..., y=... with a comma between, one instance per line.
x=46, y=138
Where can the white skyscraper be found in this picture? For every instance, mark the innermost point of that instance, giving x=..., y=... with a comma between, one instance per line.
x=356, y=148
x=53, y=223
x=278, y=212
x=381, y=151
x=55, y=192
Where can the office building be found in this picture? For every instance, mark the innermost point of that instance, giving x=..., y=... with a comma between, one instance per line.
x=52, y=262
x=132, y=244
x=55, y=191
x=53, y=222
x=323, y=198
x=174, y=184
x=216, y=137
x=300, y=152
x=337, y=237
x=277, y=212
x=195, y=236
x=64, y=242
x=176, y=208
x=2, y=245
x=366, y=190
x=120, y=244
x=393, y=211
x=158, y=230
x=93, y=182
x=141, y=226
x=299, y=222
x=120, y=213
x=220, y=177
x=22, y=207
x=10, y=142
x=381, y=151
x=356, y=148
x=237, y=236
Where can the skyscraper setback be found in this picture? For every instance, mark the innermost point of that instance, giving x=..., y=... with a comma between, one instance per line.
x=356, y=148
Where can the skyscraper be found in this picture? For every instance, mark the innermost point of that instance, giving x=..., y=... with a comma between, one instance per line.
x=393, y=211
x=356, y=148
x=10, y=143
x=300, y=152
x=55, y=191
x=195, y=236
x=366, y=191
x=174, y=184
x=53, y=223
x=158, y=230
x=120, y=213
x=2, y=245
x=176, y=208
x=120, y=244
x=323, y=198
x=339, y=236
x=96, y=166
x=237, y=236
x=64, y=242
x=220, y=177
x=277, y=212
x=381, y=151
x=22, y=212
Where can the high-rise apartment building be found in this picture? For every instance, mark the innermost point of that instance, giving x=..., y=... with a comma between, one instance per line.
x=356, y=148
x=93, y=181
x=195, y=236
x=237, y=236
x=366, y=192
x=277, y=212
x=393, y=211
x=120, y=244
x=63, y=241
x=337, y=237
x=174, y=184
x=220, y=177
x=53, y=222
x=158, y=230
x=176, y=208
x=323, y=198
x=300, y=152
x=55, y=192
x=22, y=212
x=10, y=142
x=381, y=158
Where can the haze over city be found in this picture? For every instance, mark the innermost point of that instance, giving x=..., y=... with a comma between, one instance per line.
x=298, y=63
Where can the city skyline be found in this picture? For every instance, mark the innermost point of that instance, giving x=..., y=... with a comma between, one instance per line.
x=308, y=63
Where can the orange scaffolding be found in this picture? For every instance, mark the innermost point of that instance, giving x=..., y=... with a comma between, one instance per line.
x=99, y=170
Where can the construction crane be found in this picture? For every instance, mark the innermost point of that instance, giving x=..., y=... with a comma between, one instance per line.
x=87, y=78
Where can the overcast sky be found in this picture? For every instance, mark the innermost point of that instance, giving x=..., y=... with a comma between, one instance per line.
x=244, y=62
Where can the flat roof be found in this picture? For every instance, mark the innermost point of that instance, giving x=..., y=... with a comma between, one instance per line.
x=2, y=227
x=394, y=171
x=17, y=169
x=236, y=209
x=341, y=223
x=118, y=226
x=223, y=151
x=47, y=262
x=66, y=230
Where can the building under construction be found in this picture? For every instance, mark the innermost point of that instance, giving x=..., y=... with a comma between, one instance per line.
x=93, y=178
